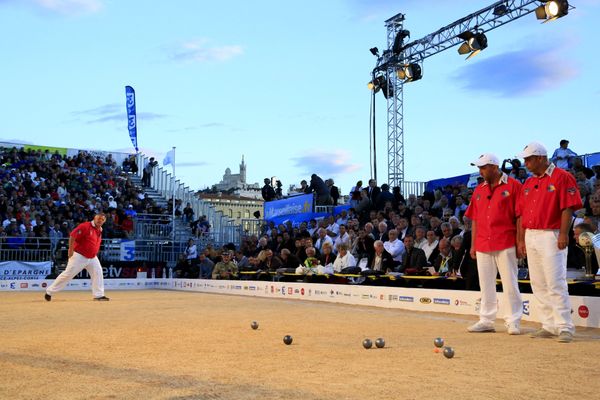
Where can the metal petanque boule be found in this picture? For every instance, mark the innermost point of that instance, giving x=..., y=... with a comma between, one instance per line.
x=438, y=342
x=254, y=325
x=448, y=352
x=367, y=343
x=287, y=339
x=380, y=343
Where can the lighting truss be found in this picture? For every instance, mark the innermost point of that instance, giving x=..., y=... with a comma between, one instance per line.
x=484, y=20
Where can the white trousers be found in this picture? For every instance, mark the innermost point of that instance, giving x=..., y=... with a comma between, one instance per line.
x=77, y=263
x=488, y=265
x=548, y=276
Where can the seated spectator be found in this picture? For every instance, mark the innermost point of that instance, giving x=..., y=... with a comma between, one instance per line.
x=188, y=213
x=380, y=262
x=395, y=248
x=271, y=263
x=182, y=268
x=343, y=237
x=455, y=224
x=323, y=238
x=443, y=262
x=326, y=260
x=309, y=267
x=414, y=260
x=205, y=266
x=225, y=269
x=289, y=262
x=345, y=263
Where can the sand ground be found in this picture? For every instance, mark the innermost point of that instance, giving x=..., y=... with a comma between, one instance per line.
x=178, y=345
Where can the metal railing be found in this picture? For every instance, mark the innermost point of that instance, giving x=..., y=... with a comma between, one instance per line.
x=138, y=250
x=251, y=227
x=222, y=231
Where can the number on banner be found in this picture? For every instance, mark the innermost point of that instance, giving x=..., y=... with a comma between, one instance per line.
x=127, y=250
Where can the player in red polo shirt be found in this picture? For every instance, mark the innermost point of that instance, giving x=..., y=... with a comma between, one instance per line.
x=493, y=210
x=547, y=203
x=84, y=244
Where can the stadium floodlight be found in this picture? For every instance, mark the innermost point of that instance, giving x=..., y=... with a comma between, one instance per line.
x=473, y=43
x=381, y=83
x=374, y=51
x=500, y=10
x=410, y=73
x=552, y=10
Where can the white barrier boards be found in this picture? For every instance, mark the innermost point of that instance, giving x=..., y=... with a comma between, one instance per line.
x=585, y=310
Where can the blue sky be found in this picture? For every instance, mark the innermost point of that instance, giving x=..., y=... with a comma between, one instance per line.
x=284, y=83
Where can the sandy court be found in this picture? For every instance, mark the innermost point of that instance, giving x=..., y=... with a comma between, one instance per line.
x=180, y=345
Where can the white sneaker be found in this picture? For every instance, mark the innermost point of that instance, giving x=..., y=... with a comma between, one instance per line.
x=513, y=329
x=482, y=327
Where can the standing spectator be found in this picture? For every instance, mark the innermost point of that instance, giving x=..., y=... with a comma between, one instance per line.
x=321, y=190
x=563, y=156
x=268, y=193
x=334, y=192
x=191, y=251
x=355, y=194
x=373, y=191
x=495, y=217
x=147, y=172
x=547, y=203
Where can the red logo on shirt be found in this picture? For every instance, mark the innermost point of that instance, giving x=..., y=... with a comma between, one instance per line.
x=584, y=312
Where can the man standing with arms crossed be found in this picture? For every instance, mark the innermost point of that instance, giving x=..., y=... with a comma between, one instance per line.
x=495, y=217
x=547, y=203
x=84, y=244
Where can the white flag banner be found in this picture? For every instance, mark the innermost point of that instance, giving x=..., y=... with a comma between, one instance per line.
x=169, y=157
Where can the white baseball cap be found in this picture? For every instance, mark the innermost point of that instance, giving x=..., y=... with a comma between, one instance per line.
x=533, y=149
x=486, y=159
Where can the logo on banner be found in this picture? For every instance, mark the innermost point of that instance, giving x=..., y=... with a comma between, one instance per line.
x=445, y=302
x=425, y=300
x=290, y=290
x=526, y=307
x=24, y=285
x=302, y=291
x=459, y=302
x=407, y=299
x=584, y=311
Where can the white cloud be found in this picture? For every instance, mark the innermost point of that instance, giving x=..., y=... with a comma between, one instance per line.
x=326, y=163
x=200, y=51
x=70, y=7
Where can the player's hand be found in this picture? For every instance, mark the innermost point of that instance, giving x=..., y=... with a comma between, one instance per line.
x=521, y=250
x=563, y=241
x=473, y=253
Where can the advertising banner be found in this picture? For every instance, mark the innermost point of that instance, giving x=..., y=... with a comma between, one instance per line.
x=23, y=270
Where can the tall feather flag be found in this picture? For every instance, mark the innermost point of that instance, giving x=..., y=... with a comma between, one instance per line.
x=131, y=117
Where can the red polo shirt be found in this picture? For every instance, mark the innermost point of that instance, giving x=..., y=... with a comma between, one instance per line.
x=87, y=239
x=495, y=213
x=545, y=197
